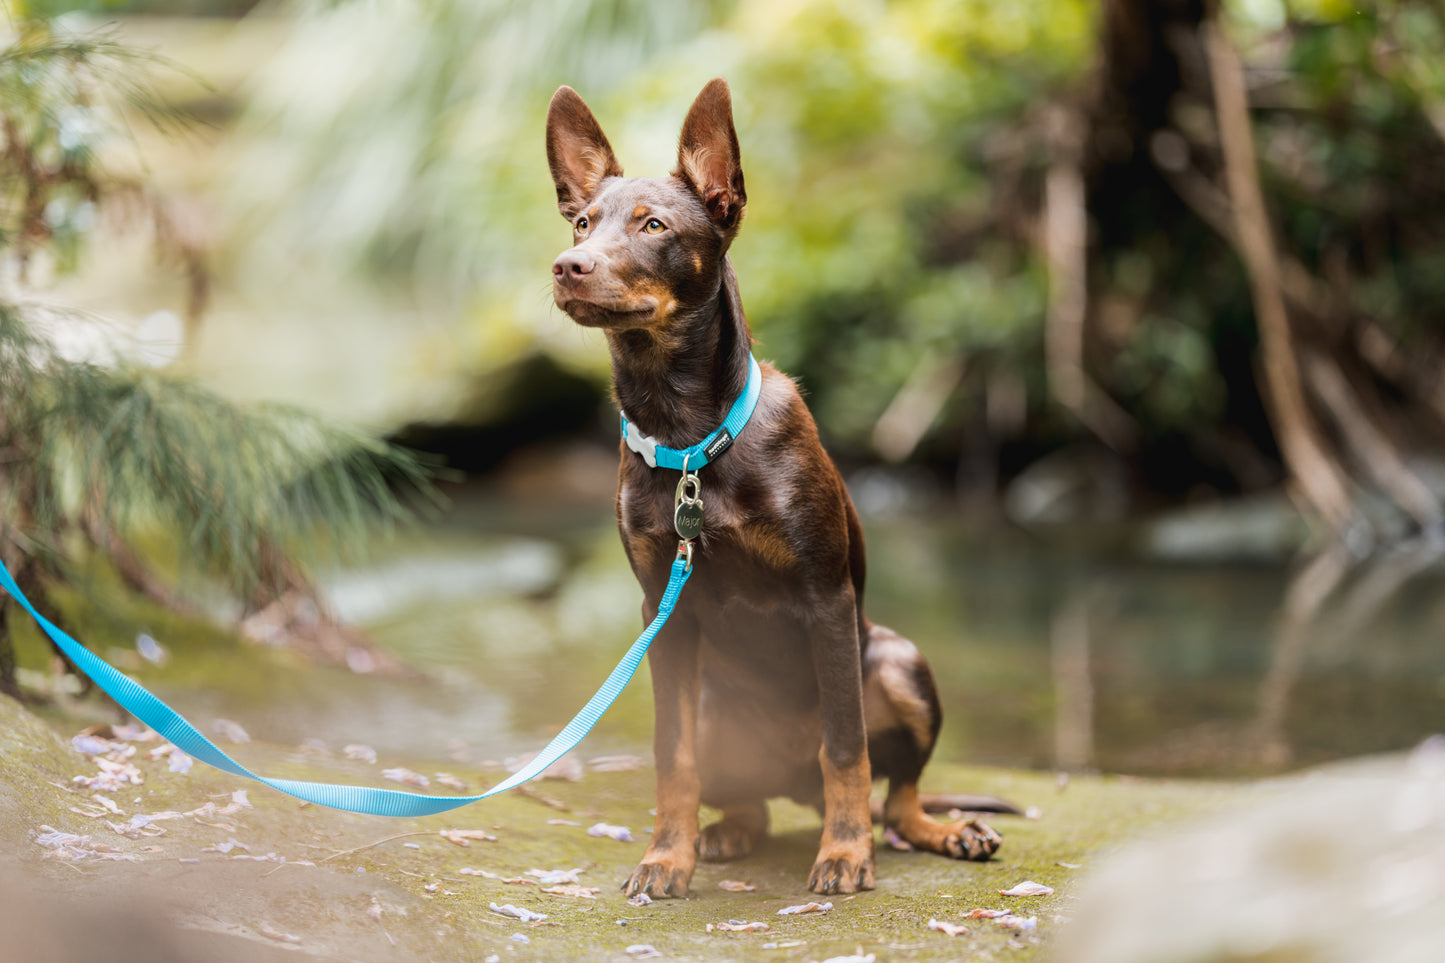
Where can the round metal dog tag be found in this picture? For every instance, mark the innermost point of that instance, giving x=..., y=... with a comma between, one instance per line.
x=687, y=519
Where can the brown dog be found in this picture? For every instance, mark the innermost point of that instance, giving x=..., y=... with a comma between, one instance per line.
x=767, y=680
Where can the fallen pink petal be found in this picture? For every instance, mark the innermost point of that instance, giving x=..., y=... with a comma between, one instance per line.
x=518, y=912
x=573, y=891
x=1027, y=888
x=804, y=908
x=359, y=753
x=406, y=777
x=620, y=833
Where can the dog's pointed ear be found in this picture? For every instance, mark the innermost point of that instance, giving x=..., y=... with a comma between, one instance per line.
x=708, y=158
x=577, y=152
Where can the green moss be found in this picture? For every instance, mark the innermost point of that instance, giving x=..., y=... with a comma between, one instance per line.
x=366, y=885
x=33, y=759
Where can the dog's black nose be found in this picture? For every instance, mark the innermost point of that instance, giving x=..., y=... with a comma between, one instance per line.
x=573, y=265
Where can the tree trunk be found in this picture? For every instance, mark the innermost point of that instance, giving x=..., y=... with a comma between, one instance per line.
x=1312, y=466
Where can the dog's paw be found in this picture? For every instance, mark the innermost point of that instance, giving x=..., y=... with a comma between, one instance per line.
x=969, y=839
x=726, y=840
x=659, y=879
x=842, y=870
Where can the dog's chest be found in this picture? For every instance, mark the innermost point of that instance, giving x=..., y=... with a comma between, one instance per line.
x=653, y=505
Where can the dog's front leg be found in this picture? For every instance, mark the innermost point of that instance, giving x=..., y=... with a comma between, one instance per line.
x=671, y=856
x=845, y=857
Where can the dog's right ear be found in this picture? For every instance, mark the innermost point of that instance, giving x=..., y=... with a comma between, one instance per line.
x=577, y=152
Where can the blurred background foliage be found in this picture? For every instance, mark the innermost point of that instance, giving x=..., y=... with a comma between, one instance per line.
x=106, y=455
x=910, y=165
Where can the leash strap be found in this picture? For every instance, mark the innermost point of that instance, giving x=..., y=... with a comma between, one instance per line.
x=660, y=456
x=148, y=708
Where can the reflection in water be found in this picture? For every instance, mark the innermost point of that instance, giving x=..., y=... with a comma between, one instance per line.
x=1300, y=612
x=1058, y=657
x=1073, y=689
x=1046, y=655
x=1336, y=617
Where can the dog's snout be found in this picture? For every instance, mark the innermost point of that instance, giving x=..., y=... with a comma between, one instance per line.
x=573, y=265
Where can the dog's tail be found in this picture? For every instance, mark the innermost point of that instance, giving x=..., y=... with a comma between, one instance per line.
x=946, y=802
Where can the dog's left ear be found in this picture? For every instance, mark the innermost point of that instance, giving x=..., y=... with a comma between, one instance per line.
x=708, y=159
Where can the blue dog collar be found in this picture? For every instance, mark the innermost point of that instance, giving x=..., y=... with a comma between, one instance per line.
x=660, y=456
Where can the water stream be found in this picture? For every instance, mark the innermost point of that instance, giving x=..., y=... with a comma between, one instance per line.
x=1046, y=655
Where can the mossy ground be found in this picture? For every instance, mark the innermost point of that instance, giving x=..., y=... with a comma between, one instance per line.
x=393, y=888
x=386, y=889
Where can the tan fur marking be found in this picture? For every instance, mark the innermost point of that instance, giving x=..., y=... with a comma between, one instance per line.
x=908, y=707
x=846, y=790
x=652, y=553
x=659, y=294
x=889, y=695
x=694, y=164
x=770, y=547
x=639, y=212
x=597, y=161
x=697, y=262
x=845, y=808
x=965, y=839
x=672, y=852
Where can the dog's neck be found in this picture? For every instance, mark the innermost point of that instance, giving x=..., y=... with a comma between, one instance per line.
x=677, y=387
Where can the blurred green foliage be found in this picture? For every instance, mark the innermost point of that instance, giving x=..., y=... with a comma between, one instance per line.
x=868, y=249
x=50, y=9
x=895, y=155
x=96, y=446
x=1358, y=164
x=866, y=133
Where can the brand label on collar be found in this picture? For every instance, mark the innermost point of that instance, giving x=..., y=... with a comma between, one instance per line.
x=719, y=444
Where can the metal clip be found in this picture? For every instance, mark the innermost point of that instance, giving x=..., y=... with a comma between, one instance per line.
x=682, y=495
x=684, y=550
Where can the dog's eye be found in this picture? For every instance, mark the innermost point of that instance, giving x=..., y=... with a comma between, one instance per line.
x=582, y=224
x=654, y=226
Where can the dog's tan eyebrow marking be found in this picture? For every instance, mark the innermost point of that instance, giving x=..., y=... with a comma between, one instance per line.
x=639, y=212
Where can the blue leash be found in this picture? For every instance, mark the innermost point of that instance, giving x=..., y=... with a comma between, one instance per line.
x=146, y=707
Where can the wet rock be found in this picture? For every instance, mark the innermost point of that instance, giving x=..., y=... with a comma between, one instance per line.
x=1343, y=864
x=1257, y=528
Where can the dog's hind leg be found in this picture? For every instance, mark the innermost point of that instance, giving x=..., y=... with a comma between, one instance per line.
x=741, y=828
x=901, y=711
